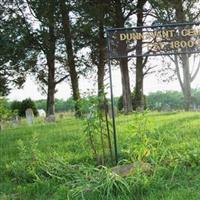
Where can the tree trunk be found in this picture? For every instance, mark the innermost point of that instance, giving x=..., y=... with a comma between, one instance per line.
x=101, y=64
x=180, y=17
x=138, y=100
x=51, y=87
x=126, y=91
x=186, y=82
x=70, y=54
x=50, y=55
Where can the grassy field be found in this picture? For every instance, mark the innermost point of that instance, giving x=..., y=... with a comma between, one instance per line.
x=54, y=161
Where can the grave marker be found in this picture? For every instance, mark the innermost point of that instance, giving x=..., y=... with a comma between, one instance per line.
x=29, y=116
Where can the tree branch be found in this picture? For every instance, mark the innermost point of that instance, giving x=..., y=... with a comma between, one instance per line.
x=178, y=72
x=23, y=17
x=145, y=61
x=196, y=72
x=62, y=79
x=148, y=70
x=131, y=12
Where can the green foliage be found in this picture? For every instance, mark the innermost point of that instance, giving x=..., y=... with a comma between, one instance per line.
x=25, y=169
x=87, y=102
x=4, y=88
x=166, y=101
x=15, y=106
x=98, y=129
x=65, y=106
x=17, y=55
x=27, y=103
x=41, y=104
x=81, y=181
x=139, y=144
x=60, y=105
x=196, y=97
x=120, y=102
x=5, y=112
x=170, y=100
x=21, y=107
x=70, y=104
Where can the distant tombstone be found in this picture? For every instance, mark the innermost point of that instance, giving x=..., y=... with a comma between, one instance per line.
x=41, y=113
x=1, y=125
x=194, y=107
x=29, y=116
x=61, y=115
x=89, y=115
x=51, y=118
x=15, y=121
x=140, y=109
x=167, y=108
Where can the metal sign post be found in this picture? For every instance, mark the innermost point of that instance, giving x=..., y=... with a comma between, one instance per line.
x=158, y=40
x=112, y=104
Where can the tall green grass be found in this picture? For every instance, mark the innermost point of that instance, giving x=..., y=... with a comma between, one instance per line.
x=54, y=161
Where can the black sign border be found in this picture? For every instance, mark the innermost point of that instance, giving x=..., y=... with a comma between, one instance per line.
x=110, y=30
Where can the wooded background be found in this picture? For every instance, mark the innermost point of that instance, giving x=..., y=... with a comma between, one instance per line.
x=59, y=40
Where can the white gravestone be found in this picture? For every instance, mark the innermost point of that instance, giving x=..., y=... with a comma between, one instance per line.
x=15, y=121
x=29, y=116
x=41, y=113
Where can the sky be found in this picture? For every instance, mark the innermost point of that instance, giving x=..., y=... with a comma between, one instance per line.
x=152, y=83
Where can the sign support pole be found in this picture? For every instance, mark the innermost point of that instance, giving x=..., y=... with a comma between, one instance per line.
x=112, y=103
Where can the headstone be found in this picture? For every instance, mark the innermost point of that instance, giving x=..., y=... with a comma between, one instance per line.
x=140, y=109
x=4, y=124
x=51, y=118
x=41, y=113
x=61, y=115
x=1, y=125
x=29, y=116
x=89, y=115
x=15, y=121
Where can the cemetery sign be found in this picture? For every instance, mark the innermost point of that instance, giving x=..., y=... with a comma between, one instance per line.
x=155, y=40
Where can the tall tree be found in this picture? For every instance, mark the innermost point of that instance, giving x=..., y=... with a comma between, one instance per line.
x=140, y=62
x=38, y=22
x=66, y=25
x=186, y=84
x=101, y=43
x=46, y=37
x=50, y=44
x=92, y=21
x=16, y=52
x=120, y=20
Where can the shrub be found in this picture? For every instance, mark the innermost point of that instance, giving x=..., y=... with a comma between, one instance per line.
x=28, y=103
x=15, y=106
x=5, y=113
x=120, y=102
x=21, y=107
